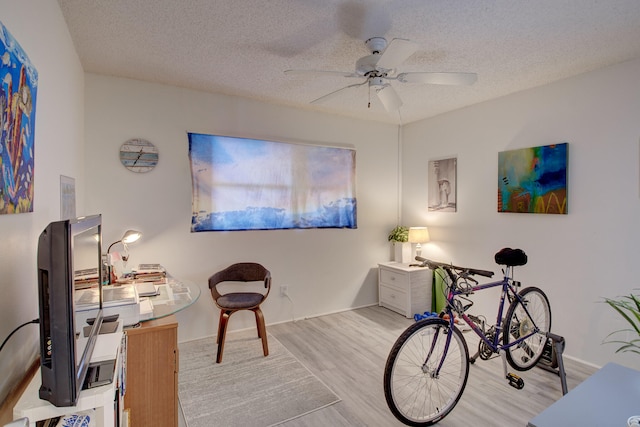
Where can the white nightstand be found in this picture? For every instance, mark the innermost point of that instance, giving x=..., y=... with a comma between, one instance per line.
x=404, y=289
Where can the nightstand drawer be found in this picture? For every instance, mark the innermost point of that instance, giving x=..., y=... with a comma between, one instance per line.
x=394, y=278
x=393, y=298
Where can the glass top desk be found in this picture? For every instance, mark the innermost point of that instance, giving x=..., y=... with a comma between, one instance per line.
x=607, y=398
x=173, y=296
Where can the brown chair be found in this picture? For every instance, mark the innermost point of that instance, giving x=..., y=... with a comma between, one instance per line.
x=231, y=302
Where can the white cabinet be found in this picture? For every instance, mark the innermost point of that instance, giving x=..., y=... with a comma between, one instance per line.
x=106, y=399
x=404, y=289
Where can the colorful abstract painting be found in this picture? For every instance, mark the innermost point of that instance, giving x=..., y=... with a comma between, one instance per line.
x=18, y=87
x=533, y=180
x=251, y=184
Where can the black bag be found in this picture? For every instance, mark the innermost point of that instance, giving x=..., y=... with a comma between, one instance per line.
x=511, y=257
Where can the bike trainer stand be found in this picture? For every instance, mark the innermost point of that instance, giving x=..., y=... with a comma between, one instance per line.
x=551, y=361
x=552, y=358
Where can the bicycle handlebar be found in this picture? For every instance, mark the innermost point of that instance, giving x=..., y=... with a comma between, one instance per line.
x=435, y=264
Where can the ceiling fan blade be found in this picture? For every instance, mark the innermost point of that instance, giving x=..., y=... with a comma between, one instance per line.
x=323, y=72
x=336, y=92
x=389, y=98
x=438, y=78
x=398, y=51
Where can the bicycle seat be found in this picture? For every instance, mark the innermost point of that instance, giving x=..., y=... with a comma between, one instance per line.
x=511, y=257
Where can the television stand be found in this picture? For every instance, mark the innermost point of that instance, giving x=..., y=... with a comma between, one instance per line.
x=101, y=398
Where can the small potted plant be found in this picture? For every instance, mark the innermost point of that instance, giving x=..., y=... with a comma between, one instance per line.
x=629, y=308
x=399, y=238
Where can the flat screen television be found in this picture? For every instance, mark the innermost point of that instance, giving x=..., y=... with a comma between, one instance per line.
x=67, y=250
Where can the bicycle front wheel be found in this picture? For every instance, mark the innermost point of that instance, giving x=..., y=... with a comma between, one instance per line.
x=521, y=322
x=426, y=372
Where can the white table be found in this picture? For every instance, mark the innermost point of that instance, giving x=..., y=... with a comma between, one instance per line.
x=607, y=398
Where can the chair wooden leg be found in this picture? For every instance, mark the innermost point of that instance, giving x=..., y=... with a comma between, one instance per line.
x=222, y=332
x=220, y=320
x=262, y=331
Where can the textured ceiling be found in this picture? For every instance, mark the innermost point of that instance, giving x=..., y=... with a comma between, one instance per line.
x=243, y=47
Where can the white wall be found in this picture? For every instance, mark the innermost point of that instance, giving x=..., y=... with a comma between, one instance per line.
x=326, y=270
x=41, y=31
x=577, y=259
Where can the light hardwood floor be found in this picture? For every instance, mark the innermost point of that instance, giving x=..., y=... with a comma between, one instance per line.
x=348, y=351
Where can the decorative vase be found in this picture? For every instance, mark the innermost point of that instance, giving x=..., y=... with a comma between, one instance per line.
x=402, y=252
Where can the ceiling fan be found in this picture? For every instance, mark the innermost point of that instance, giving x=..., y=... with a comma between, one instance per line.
x=379, y=68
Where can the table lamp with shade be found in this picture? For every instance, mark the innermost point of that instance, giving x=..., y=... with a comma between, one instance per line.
x=418, y=235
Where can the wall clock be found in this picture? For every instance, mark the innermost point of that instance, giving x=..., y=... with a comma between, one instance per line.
x=139, y=155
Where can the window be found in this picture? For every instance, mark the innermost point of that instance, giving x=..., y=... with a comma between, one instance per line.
x=250, y=184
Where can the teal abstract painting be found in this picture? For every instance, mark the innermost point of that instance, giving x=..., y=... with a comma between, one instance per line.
x=252, y=184
x=533, y=180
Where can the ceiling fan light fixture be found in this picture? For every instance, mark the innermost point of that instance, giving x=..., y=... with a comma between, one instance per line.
x=377, y=82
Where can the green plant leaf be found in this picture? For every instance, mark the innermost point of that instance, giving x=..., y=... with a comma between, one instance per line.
x=620, y=307
x=629, y=308
x=399, y=234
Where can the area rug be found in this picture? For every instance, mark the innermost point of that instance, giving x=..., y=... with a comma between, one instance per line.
x=246, y=389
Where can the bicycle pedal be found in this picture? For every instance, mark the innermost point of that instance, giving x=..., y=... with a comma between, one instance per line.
x=515, y=381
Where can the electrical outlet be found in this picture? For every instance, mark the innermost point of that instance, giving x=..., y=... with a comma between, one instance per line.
x=284, y=290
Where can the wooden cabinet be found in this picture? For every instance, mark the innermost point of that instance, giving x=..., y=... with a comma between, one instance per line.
x=404, y=289
x=152, y=373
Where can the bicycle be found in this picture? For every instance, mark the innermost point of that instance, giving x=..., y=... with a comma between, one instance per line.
x=428, y=366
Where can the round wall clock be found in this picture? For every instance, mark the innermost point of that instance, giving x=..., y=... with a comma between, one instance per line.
x=138, y=155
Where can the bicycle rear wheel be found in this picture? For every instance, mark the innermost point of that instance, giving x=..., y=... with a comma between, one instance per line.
x=520, y=322
x=423, y=379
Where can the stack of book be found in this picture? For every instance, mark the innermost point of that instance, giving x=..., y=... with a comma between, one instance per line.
x=150, y=273
x=87, y=278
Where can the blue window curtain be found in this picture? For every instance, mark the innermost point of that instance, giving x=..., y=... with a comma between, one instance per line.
x=251, y=184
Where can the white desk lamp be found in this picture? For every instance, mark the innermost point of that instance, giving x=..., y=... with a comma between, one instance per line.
x=129, y=236
x=418, y=235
